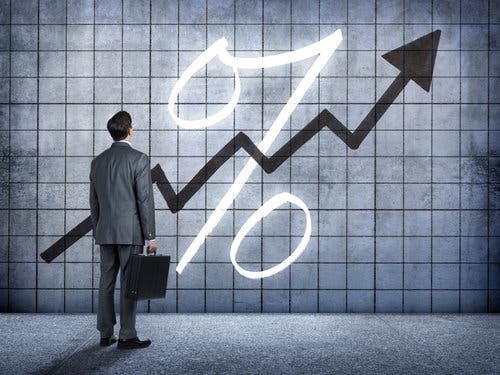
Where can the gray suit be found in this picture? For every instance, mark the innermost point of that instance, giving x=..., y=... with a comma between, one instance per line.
x=123, y=216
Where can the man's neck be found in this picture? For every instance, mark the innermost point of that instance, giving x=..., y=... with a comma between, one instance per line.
x=124, y=140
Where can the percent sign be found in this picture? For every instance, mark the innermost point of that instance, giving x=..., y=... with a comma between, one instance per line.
x=414, y=60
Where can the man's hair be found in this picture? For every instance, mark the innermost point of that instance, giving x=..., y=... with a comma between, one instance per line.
x=119, y=124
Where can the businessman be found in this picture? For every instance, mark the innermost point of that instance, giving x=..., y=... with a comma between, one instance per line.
x=123, y=217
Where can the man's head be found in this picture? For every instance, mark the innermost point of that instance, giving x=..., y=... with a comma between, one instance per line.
x=120, y=126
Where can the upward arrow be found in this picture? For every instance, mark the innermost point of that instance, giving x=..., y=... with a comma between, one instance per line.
x=414, y=60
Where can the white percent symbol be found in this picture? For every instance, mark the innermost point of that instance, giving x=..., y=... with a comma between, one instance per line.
x=324, y=49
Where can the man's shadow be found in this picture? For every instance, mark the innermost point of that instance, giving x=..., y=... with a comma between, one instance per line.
x=90, y=359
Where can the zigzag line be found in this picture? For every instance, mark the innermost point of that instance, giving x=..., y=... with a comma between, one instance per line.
x=176, y=201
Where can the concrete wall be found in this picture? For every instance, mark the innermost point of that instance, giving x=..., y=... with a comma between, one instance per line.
x=407, y=222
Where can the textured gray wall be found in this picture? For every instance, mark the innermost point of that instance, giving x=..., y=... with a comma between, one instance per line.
x=408, y=222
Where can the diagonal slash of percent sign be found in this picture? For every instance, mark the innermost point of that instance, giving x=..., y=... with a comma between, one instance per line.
x=415, y=62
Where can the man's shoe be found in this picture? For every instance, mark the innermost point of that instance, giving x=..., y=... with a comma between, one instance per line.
x=133, y=343
x=107, y=341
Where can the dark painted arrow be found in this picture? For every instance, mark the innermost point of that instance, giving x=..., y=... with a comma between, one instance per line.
x=415, y=62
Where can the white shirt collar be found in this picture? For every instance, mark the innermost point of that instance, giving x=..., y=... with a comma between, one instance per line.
x=123, y=140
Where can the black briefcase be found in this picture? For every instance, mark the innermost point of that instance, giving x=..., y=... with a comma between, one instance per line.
x=148, y=275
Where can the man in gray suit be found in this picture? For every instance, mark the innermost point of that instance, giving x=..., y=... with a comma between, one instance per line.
x=123, y=217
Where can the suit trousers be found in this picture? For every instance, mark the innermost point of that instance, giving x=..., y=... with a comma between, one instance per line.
x=114, y=257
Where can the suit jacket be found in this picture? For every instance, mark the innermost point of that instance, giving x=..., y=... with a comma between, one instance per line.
x=121, y=196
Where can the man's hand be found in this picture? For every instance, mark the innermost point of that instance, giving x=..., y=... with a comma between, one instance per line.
x=153, y=246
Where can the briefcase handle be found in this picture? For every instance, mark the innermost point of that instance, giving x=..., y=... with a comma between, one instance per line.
x=149, y=253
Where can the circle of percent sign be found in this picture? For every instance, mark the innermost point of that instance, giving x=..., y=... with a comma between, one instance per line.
x=414, y=60
x=263, y=211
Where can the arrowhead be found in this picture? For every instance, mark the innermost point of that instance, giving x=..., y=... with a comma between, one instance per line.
x=416, y=59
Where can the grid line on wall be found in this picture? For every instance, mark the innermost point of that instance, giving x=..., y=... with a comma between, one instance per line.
x=346, y=255
x=432, y=178
x=233, y=212
x=65, y=140
x=460, y=170
x=262, y=172
x=9, y=160
x=206, y=152
x=318, y=191
x=94, y=287
x=488, y=222
x=150, y=93
x=375, y=173
x=403, y=178
x=37, y=151
x=177, y=165
x=290, y=166
x=256, y=24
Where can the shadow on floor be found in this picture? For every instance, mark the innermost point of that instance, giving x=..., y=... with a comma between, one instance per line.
x=89, y=359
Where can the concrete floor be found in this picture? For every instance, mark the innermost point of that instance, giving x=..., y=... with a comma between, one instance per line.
x=256, y=343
